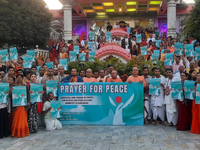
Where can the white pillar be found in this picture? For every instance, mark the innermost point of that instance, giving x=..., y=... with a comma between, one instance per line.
x=67, y=7
x=171, y=18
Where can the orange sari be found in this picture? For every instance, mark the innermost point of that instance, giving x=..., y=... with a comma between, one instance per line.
x=20, y=125
x=195, y=128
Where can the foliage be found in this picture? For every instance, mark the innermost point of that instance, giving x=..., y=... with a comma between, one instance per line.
x=192, y=22
x=120, y=67
x=24, y=23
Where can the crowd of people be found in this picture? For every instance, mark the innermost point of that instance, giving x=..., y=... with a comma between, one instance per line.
x=23, y=120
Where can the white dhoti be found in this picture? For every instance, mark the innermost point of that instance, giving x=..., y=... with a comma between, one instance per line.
x=53, y=124
x=147, y=108
x=172, y=113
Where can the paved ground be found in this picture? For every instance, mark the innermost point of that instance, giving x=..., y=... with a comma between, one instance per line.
x=105, y=138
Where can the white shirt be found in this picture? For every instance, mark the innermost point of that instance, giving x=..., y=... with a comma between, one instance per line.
x=187, y=63
x=111, y=77
x=152, y=39
x=83, y=43
x=116, y=26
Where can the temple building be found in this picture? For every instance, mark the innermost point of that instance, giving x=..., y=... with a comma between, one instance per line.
x=78, y=17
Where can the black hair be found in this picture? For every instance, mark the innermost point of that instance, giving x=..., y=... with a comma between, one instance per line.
x=21, y=71
x=33, y=74
x=157, y=69
x=145, y=68
x=12, y=78
x=110, y=66
x=44, y=65
x=50, y=93
x=74, y=68
x=169, y=69
x=82, y=70
x=153, y=69
x=10, y=68
x=41, y=67
x=28, y=72
x=78, y=40
x=95, y=71
x=34, y=67
x=186, y=74
x=178, y=57
x=19, y=75
x=21, y=58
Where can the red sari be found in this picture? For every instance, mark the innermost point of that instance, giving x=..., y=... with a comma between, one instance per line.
x=53, y=54
x=184, y=116
x=195, y=118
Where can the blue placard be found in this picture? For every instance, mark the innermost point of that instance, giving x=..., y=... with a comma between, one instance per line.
x=143, y=50
x=92, y=55
x=73, y=56
x=36, y=95
x=4, y=55
x=189, y=50
x=49, y=64
x=56, y=109
x=197, y=49
x=102, y=103
x=4, y=88
x=108, y=36
x=198, y=94
x=32, y=54
x=13, y=53
x=91, y=36
x=154, y=87
x=168, y=59
x=178, y=49
x=189, y=89
x=76, y=48
x=51, y=86
x=19, y=96
x=64, y=63
x=177, y=91
x=82, y=57
x=138, y=38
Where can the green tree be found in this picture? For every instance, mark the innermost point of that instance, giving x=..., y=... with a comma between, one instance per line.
x=24, y=23
x=192, y=22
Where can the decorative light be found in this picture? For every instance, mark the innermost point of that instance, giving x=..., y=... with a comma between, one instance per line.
x=131, y=3
x=120, y=9
x=89, y=10
x=131, y=9
x=101, y=13
x=155, y=2
x=153, y=9
x=110, y=10
x=98, y=7
x=108, y=4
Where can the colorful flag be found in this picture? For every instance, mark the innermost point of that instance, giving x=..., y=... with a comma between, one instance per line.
x=19, y=96
x=64, y=63
x=37, y=89
x=82, y=56
x=73, y=56
x=4, y=55
x=4, y=88
x=32, y=54
x=56, y=109
x=92, y=55
x=168, y=59
x=13, y=53
x=154, y=87
x=51, y=86
x=177, y=91
x=189, y=89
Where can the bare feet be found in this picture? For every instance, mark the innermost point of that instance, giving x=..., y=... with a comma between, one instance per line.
x=155, y=123
x=163, y=123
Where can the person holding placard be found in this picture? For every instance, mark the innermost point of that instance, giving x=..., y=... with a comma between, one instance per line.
x=195, y=128
x=18, y=65
x=9, y=74
x=4, y=132
x=185, y=108
x=33, y=118
x=20, y=125
x=171, y=106
x=157, y=102
x=51, y=123
x=176, y=64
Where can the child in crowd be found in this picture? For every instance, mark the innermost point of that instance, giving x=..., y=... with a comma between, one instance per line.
x=51, y=123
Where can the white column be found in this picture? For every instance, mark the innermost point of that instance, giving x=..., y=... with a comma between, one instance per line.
x=67, y=7
x=171, y=18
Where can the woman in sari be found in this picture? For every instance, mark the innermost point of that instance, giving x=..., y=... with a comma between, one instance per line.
x=185, y=109
x=195, y=128
x=52, y=52
x=20, y=125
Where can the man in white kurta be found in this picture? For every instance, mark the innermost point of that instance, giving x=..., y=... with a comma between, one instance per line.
x=157, y=102
x=171, y=105
x=51, y=123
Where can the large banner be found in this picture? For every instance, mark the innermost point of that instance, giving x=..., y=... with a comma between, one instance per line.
x=101, y=103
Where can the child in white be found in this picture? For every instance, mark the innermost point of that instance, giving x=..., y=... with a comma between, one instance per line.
x=51, y=123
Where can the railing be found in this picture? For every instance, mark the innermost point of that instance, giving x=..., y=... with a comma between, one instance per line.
x=39, y=52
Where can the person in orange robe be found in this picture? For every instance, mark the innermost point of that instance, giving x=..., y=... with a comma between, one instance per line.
x=19, y=126
x=136, y=78
x=195, y=128
x=89, y=76
x=114, y=77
